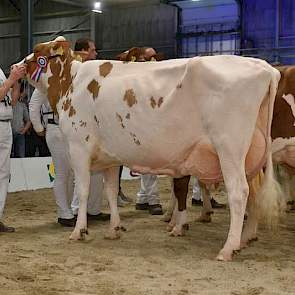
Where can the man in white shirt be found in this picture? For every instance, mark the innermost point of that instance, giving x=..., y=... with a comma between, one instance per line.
x=8, y=97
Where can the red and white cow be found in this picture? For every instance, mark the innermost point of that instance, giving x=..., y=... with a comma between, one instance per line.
x=203, y=116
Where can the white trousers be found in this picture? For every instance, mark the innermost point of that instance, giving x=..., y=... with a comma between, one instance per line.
x=5, y=150
x=95, y=195
x=64, y=178
x=197, y=193
x=149, y=190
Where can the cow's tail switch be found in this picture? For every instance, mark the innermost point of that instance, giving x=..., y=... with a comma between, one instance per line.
x=270, y=199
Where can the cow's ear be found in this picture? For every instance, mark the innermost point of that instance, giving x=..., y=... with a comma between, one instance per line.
x=122, y=56
x=133, y=54
x=80, y=55
x=60, y=48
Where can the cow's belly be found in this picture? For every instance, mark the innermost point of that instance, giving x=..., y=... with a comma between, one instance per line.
x=202, y=161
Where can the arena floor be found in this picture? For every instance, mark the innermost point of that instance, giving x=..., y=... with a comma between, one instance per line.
x=40, y=260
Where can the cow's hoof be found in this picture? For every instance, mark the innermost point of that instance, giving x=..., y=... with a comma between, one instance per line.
x=227, y=255
x=245, y=242
x=176, y=232
x=77, y=235
x=170, y=227
x=166, y=218
x=204, y=219
x=113, y=234
x=185, y=226
x=224, y=256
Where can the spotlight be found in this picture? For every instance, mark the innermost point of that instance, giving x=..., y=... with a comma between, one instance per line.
x=96, y=7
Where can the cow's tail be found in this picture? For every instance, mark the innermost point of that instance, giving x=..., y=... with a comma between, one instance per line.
x=270, y=200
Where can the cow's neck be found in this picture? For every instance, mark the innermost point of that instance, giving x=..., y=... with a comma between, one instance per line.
x=59, y=84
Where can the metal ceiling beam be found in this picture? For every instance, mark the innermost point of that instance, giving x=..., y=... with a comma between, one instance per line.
x=241, y=18
x=26, y=27
x=73, y=3
x=14, y=4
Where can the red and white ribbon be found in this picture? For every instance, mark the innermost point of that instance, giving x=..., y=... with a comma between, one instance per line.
x=41, y=64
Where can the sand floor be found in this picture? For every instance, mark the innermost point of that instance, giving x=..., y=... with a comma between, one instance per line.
x=39, y=259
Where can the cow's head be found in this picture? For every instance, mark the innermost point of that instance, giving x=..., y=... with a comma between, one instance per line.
x=140, y=54
x=44, y=59
x=49, y=69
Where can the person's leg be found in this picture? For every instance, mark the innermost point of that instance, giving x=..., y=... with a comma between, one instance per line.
x=12, y=154
x=122, y=198
x=62, y=168
x=30, y=150
x=43, y=147
x=95, y=198
x=5, y=150
x=142, y=200
x=19, y=146
x=148, y=196
x=197, y=199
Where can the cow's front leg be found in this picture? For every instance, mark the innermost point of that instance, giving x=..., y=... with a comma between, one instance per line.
x=180, y=188
x=111, y=186
x=172, y=204
x=207, y=207
x=82, y=182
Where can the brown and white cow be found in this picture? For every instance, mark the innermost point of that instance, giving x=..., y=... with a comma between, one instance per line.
x=283, y=126
x=283, y=148
x=203, y=116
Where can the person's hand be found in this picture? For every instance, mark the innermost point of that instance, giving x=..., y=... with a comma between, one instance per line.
x=17, y=72
x=22, y=130
x=42, y=133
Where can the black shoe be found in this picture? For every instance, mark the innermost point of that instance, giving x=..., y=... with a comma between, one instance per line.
x=155, y=209
x=216, y=205
x=67, y=222
x=100, y=216
x=6, y=229
x=139, y=206
x=197, y=202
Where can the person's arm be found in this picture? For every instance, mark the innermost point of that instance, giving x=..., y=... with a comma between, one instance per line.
x=15, y=93
x=26, y=127
x=35, y=104
x=26, y=120
x=16, y=73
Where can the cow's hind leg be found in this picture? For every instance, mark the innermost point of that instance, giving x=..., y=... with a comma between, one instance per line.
x=111, y=186
x=233, y=169
x=207, y=207
x=173, y=219
x=180, y=190
x=171, y=205
x=82, y=182
x=250, y=228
